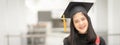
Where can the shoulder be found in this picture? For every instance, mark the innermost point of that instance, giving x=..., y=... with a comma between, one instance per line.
x=102, y=41
x=66, y=41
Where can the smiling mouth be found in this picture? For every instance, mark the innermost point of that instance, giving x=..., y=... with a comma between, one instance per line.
x=82, y=27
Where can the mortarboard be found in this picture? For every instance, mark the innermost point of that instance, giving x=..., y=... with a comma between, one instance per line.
x=74, y=7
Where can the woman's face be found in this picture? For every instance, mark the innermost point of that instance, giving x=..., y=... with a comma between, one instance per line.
x=80, y=22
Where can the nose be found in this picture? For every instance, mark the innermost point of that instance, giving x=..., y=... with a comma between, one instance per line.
x=80, y=22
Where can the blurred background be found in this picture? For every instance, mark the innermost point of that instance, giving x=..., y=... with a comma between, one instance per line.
x=38, y=22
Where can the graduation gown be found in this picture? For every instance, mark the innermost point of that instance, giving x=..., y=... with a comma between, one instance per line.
x=83, y=41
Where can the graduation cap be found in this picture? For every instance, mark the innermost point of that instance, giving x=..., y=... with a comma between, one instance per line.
x=73, y=8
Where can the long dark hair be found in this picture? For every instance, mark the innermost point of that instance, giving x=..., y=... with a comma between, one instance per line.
x=90, y=31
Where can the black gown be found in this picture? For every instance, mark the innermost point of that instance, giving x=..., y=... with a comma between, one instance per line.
x=82, y=40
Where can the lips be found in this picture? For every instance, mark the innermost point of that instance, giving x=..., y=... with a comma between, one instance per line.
x=82, y=27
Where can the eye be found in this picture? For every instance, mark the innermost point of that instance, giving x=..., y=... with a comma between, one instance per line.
x=76, y=21
x=83, y=18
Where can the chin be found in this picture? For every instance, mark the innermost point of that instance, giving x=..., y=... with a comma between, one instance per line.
x=82, y=31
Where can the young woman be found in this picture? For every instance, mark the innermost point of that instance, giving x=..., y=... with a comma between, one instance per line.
x=81, y=29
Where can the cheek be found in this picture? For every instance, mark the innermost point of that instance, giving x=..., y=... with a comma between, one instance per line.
x=76, y=25
x=86, y=23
